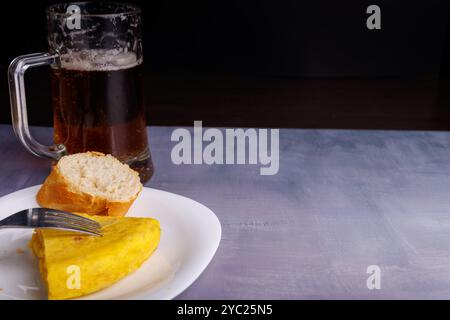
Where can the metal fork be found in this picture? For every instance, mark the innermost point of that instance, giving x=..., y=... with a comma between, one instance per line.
x=50, y=218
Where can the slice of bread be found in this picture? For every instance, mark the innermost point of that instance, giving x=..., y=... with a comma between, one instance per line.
x=91, y=183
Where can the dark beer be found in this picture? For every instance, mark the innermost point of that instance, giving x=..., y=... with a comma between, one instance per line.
x=98, y=106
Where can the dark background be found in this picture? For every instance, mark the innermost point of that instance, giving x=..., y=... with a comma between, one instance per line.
x=283, y=63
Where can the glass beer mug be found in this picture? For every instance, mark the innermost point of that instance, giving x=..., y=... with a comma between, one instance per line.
x=95, y=59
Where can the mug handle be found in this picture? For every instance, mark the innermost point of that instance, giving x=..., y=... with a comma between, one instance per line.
x=16, y=73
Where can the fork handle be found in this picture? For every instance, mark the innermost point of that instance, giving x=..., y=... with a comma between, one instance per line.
x=11, y=226
x=14, y=221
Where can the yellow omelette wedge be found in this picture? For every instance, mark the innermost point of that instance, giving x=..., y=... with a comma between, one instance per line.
x=74, y=265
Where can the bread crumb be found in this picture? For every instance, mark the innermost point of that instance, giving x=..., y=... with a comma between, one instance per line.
x=20, y=251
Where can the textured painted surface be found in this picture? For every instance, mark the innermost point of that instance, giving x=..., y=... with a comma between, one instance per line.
x=341, y=201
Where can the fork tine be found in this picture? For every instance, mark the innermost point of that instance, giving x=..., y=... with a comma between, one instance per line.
x=63, y=226
x=68, y=214
x=70, y=223
x=71, y=216
x=62, y=219
x=58, y=219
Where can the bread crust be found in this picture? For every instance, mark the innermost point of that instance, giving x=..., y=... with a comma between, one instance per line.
x=57, y=193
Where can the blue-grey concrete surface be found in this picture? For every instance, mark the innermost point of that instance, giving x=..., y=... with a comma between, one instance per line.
x=342, y=200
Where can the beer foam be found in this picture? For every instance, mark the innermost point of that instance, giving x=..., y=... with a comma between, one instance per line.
x=99, y=60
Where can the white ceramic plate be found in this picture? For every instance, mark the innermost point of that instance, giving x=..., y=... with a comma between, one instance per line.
x=189, y=239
